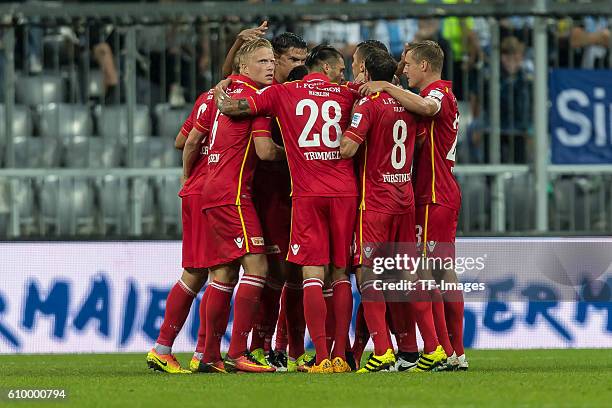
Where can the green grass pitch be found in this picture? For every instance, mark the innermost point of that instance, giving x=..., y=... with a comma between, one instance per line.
x=532, y=378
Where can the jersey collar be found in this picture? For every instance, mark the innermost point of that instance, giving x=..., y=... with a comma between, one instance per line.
x=316, y=76
x=244, y=79
x=436, y=84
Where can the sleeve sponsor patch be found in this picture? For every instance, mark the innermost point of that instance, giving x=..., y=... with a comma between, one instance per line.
x=363, y=100
x=434, y=93
x=356, y=120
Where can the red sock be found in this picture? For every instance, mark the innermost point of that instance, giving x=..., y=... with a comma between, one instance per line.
x=437, y=307
x=330, y=319
x=202, y=329
x=421, y=307
x=403, y=326
x=374, y=312
x=362, y=335
x=178, y=304
x=245, y=306
x=343, y=313
x=295, y=323
x=217, y=316
x=314, y=313
x=280, y=342
x=263, y=327
x=453, y=310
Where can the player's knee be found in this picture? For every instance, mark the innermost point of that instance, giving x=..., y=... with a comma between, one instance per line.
x=194, y=278
x=255, y=264
x=312, y=272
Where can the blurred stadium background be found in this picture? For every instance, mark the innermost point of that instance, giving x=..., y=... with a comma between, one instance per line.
x=93, y=94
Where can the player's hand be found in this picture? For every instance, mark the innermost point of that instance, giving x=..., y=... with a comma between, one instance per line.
x=360, y=79
x=224, y=83
x=251, y=34
x=372, y=87
x=220, y=96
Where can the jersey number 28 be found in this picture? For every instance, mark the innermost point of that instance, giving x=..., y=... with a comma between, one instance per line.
x=330, y=122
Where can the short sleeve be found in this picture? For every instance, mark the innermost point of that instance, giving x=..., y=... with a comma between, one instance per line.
x=436, y=95
x=265, y=101
x=261, y=126
x=202, y=123
x=360, y=122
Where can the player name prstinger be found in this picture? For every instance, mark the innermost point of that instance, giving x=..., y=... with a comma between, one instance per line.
x=396, y=178
x=333, y=155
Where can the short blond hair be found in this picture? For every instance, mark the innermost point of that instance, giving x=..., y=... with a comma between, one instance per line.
x=429, y=51
x=249, y=47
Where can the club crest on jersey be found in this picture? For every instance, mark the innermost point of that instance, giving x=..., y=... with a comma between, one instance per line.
x=239, y=241
x=295, y=248
x=257, y=241
x=368, y=251
x=431, y=245
x=356, y=120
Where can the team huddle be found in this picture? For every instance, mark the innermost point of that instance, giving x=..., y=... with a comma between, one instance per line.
x=301, y=179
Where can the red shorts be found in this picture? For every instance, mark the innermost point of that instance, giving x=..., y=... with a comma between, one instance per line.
x=194, y=232
x=322, y=230
x=233, y=232
x=379, y=232
x=274, y=212
x=436, y=226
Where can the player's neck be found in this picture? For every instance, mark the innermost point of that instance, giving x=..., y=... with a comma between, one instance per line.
x=429, y=80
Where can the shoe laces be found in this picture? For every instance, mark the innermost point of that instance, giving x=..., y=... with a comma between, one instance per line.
x=251, y=358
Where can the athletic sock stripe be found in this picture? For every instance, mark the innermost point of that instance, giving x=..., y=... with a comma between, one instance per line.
x=186, y=288
x=313, y=284
x=225, y=285
x=311, y=280
x=248, y=282
x=254, y=278
x=222, y=288
x=341, y=281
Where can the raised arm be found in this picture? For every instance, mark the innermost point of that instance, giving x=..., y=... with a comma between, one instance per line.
x=412, y=102
x=244, y=36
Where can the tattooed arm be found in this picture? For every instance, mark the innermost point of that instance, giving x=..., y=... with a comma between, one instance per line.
x=229, y=106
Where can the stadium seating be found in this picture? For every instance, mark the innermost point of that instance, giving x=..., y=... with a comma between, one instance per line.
x=22, y=126
x=520, y=202
x=36, y=152
x=63, y=120
x=92, y=152
x=112, y=122
x=475, y=198
x=114, y=208
x=67, y=206
x=39, y=90
x=169, y=120
x=170, y=205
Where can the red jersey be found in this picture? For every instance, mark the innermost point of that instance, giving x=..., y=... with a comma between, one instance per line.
x=231, y=154
x=435, y=182
x=193, y=185
x=388, y=133
x=312, y=114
